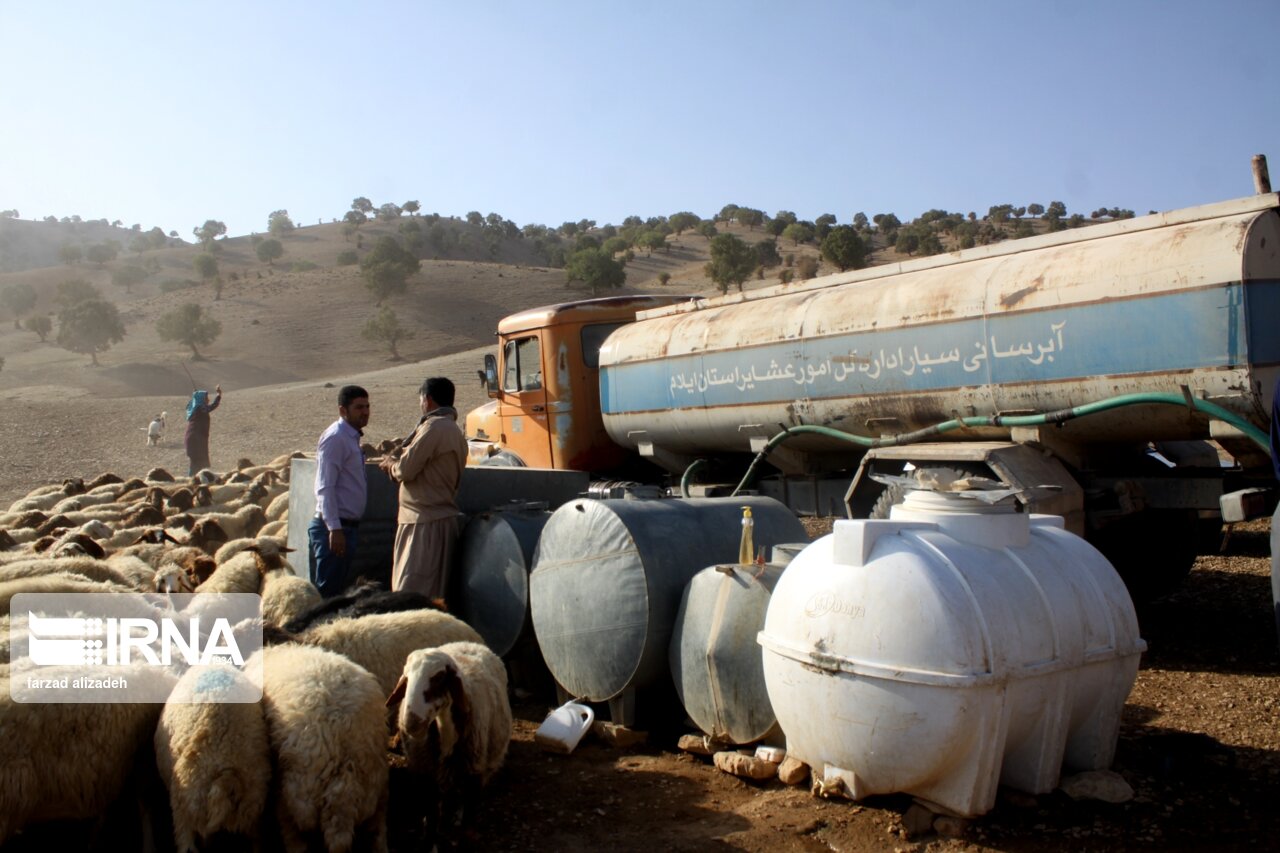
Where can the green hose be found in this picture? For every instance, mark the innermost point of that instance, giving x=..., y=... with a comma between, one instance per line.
x=687, y=478
x=1060, y=416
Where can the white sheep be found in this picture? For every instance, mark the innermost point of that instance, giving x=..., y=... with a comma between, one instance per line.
x=57, y=582
x=275, y=528
x=69, y=761
x=325, y=719
x=278, y=508
x=244, y=571
x=266, y=544
x=214, y=756
x=122, y=571
x=454, y=718
x=381, y=642
x=244, y=521
x=286, y=596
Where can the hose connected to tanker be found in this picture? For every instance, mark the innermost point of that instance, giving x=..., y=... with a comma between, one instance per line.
x=1057, y=417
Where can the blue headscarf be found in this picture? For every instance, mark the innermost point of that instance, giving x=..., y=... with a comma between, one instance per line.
x=199, y=400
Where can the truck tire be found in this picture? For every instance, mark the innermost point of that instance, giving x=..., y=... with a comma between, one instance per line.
x=893, y=495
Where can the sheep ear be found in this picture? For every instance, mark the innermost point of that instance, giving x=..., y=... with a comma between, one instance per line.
x=398, y=693
x=287, y=550
x=169, y=538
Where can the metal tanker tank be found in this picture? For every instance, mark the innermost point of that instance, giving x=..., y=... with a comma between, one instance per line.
x=715, y=661
x=607, y=581
x=949, y=649
x=491, y=577
x=1186, y=298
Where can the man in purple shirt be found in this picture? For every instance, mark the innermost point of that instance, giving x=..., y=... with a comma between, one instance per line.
x=340, y=494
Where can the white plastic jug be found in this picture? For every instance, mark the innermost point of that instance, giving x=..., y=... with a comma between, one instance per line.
x=564, y=727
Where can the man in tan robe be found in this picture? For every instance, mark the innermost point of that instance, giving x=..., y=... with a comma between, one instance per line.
x=429, y=470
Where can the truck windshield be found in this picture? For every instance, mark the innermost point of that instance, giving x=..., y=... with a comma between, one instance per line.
x=592, y=337
x=522, y=363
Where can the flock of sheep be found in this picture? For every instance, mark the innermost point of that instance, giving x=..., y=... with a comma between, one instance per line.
x=341, y=679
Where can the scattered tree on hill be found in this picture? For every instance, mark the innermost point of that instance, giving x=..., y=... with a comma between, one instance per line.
x=20, y=299
x=651, y=240
x=844, y=248
x=614, y=245
x=908, y=241
x=664, y=278
x=384, y=327
x=707, y=228
x=101, y=253
x=931, y=245
x=40, y=324
x=360, y=204
x=139, y=244
x=355, y=219
x=822, y=226
x=411, y=207
x=1056, y=208
x=1035, y=209
x=210, y=231
x=732, y=261
x=90, y=327
x=70, y=255
x=76, y=290
x=206, y=266
x=190, y=325
x=568, y=229
x=127, y=277
x=389, y=211
x=750, y=217
x=798, y=232
x=806, y=267
x=269, y=250
x=387, y=268
x=682, y=221
x=887, y=224
x=860, y=221
x=279, y=223
x=767, y=254
x=594, y=268
x=8, y=214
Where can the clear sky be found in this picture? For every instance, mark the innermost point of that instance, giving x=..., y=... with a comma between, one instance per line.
x=172, y=113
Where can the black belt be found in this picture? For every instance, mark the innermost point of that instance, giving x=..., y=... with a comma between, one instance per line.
x=345, y=522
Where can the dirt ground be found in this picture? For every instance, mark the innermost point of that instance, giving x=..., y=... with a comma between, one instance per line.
x=1200, y=746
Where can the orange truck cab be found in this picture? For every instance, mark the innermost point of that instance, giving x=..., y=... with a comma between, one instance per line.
x=545, y=387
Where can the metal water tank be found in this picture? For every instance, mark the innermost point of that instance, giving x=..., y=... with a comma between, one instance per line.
x=950, y=648
x=608, y=575
x=490, y=586
x=715, y=661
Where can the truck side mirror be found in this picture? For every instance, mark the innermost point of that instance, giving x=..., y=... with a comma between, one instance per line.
x=491, y=375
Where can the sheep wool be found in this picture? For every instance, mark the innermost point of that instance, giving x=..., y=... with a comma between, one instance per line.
x=70, y=761
x=462, y=689
x=286, y=596
x=214, y=757
x=381, y=642
x=325, y=719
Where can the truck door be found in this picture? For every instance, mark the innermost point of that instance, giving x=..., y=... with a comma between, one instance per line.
x=523, y=405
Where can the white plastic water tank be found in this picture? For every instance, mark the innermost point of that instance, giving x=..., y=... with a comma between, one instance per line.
x=951, y=648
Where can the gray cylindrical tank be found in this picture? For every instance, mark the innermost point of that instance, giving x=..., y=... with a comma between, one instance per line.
x=608, y=576
x=715, y=661
x=491, y=581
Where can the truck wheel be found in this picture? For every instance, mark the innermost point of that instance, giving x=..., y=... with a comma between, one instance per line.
x=1153, y=551
x=894, y=495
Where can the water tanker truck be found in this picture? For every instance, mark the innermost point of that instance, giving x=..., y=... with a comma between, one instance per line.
x=1118, y=375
